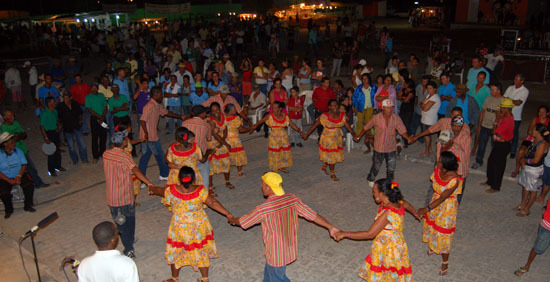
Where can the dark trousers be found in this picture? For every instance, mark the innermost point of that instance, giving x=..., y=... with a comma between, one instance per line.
x=320, y=127
x=99, y=137
x=6, y=196
x=31, y=169
x=514, y=147
x=54, y=160
x=415, y=123
x=128, y=228
x=377, y=159
x=406, y=117
x=496, y=164
x=485, y=134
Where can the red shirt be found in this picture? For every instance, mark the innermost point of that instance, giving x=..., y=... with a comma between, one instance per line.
x=297, y=103
x=79, y=92
x=505, y=129
x=321, y=97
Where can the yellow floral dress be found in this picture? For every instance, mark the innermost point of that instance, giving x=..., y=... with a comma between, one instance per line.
x=440, y=223
x=188, y=158
x=331, y=149
x=388, y=260
x=219, y=160
x=237, y=155
x=279, y=154
x=190, y=236
x=136, y=183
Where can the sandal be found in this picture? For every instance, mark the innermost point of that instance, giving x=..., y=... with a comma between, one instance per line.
x=173, y=279
x=283, y=170
x=443, y=272
x=522, y=213
x=229, y=185
x=520, y=271
x=333, y=176
x=324, y=169
x=211, y=191
x=430, y=252
x=240, y=174
x=518, y=208
x=203, y=279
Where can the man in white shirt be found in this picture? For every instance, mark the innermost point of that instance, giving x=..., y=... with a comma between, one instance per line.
x=12, y=79
x=181, y=72
x=494, y=59
x=33, y=79
x=518, y=93
x=107, y=264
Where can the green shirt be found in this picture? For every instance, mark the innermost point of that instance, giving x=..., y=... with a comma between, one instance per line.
x=14, y=129
x=113, y=103
x=96, y=103
x=48, y=119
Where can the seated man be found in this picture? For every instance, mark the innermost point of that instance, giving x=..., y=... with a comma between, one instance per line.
x=107, y=264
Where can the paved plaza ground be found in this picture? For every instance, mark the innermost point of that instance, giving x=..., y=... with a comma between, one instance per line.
x=489, y=244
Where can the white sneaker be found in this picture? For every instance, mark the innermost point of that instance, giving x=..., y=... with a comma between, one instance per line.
x=163, y=178
x=143, y=186
x=371, y=184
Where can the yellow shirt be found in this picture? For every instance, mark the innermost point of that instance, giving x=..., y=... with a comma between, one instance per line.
x=105, y=91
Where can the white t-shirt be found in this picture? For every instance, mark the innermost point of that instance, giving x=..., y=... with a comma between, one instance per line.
x=517, y=94
x=429, y=117
x=108, y=266
x=492, y=61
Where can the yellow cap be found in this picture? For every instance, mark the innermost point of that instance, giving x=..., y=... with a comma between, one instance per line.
x=275, y=182
x=506, y=103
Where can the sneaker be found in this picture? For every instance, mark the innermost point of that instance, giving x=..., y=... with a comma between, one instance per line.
x=475, y=166
x=143, y=186
x=52, y=173
x=371, y=183
x=29, y=209
x=163, y=178
x=131, y=254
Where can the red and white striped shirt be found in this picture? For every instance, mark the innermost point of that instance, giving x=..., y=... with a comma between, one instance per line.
x=462, y=144
x=279, y=218
x=384, y=133
x=151, y=115
x=118, y=167
x=201, y=129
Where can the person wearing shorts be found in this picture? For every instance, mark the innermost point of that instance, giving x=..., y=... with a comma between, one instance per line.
x=541, y=243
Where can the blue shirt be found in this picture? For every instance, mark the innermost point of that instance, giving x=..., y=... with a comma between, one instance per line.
x=213, y=87
x=10, y=165
x=174, y=102
x=196, y=99
x=471, y=79
x=45, y=92
x=123, y=88
x=445, y=90
x=71, y=69
x=464, y=107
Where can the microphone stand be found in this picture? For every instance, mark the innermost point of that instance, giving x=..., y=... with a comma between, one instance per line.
x=35, y=257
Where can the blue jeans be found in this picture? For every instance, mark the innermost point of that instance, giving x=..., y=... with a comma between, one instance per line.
x=485, y=134
x=128, y=229
x=204, y=169
x=111, y=124
x=275, y=274
x=171, y=121
x=263, y=88
x=153, y=147
x=377, y=159
x=31, y=169
x=77, y=136
x=415, y=123
x=516, y=137
x=85, y=119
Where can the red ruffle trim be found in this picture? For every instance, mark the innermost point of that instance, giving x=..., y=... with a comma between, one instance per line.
x=438, y=228
x=279, y=150
x=237, y=149
x=400, y=211
x=334, y=120
x=183, y=154
x=331, y=150
x=231, y=118
x=441, y=181
x=185, y=196
x=214, y=119
x=278, y=121
x=381, y=268
x=221, y=156
x=192, y=246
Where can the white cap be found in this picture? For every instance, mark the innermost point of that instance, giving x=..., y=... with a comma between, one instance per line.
x=26, y=64
x=387, y=103
x=363, y=62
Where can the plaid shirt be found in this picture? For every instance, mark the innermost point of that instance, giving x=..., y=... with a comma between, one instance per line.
x=384, y=133
x=118, y=167
x=151, y=115
x=201, y=129
x=461, y=144
x=279, y=218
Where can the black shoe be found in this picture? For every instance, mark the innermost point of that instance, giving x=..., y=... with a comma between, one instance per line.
x=512, y=156
x=291, y=144
x=29, y=209
x=61, y=168
x=300, y=145
x=8, y=214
